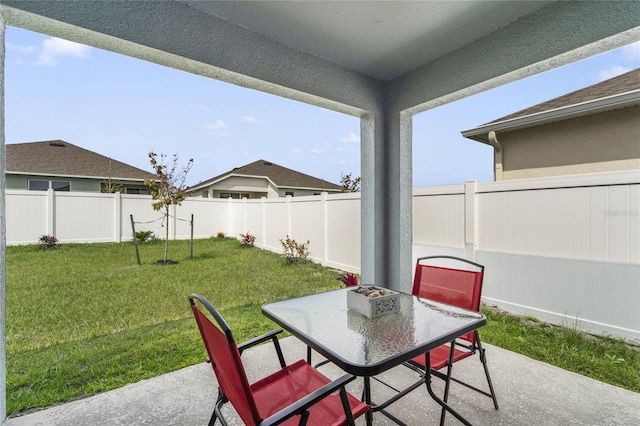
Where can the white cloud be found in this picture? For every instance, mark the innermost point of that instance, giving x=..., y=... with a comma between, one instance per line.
x=54, y=48
x=248, y=118
x=317, y=150
x=25, y=50
x=296, y=150
x=631, y=52
x=352, y=138
x=612, y=72
x=219, y=124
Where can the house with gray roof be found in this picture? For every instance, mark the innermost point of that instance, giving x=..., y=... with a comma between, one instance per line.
x=62, y=166
x=595, y=129
x=262, y=179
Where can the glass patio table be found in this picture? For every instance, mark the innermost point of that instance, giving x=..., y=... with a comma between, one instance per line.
x=366, y=347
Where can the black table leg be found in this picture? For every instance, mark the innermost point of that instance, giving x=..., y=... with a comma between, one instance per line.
x=443, y=404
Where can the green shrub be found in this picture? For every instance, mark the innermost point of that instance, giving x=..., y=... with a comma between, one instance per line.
x=247, y=239
x=48, y=242
x=294, y=251
x=145, y=236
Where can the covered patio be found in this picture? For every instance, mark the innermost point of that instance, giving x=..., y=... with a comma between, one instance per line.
x=380, y=61
x=529, y=392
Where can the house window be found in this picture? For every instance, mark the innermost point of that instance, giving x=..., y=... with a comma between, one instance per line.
x=139, y=191
x=43, y=185
x=38, y=185
x=205, y=194
x=234, y=195
x=60, y=185
x=288, y=193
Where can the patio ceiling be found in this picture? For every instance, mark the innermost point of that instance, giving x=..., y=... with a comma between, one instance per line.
x=350, y=56
x=382, y=39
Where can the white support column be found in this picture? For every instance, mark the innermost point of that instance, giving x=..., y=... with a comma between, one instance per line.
x=386, y=239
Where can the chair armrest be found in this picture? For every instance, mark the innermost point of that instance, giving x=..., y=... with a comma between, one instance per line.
x=257, y=340
x=273, y=336
x=302, y=404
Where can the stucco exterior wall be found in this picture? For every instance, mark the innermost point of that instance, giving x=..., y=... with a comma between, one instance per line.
x=76, y=184
x=608, y=141
x=22, y=182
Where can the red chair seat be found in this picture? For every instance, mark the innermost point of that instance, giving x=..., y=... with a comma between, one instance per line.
x=294, y=382
x=439, y=357
x=295, y=394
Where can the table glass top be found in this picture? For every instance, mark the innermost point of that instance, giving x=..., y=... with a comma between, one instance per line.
x=325, y=321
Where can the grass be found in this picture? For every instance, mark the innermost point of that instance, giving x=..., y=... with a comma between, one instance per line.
x=83, y=319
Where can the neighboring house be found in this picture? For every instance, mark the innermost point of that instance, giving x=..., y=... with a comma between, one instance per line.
x=262, y=179
x=62, y=166
x=594, y=129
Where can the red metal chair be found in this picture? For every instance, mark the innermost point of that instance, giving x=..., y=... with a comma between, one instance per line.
x=296, y=394
x=458, y=282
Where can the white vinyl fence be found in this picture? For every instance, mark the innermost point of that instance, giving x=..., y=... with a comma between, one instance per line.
x=565, y=250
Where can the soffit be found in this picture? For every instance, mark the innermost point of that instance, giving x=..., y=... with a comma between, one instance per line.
x=382, y=39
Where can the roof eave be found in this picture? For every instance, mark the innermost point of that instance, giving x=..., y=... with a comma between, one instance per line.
x=623, y=100
x=13, y=172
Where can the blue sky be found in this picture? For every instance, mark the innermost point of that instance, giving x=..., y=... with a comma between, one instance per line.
x=123, y=108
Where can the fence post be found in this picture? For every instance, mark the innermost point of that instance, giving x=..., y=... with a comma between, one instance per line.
x=325, y=230
x=51, y=212
x=287, y=199
x=263, y=212
x=118, y=219
x=173, y=218
x=191, y=257
x=470, y=218
x=230, y=219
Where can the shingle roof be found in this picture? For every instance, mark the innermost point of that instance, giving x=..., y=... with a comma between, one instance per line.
x=280, y=176
x=62, y=158
x=623, y=83
x=617, y=92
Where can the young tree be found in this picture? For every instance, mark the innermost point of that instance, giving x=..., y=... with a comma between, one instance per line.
x=168, y=189
x=109, y=186
x=348, y=184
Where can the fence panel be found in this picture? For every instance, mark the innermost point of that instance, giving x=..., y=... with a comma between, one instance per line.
x=277, y=221
x=438, y=216
x=254, y=221
x=145, y=218
x=26, y=216
x=343, y=232
x=75, y=223
x=308, y=223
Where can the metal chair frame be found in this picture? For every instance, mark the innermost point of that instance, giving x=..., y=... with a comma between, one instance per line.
x=472, y=343
x=300, y=407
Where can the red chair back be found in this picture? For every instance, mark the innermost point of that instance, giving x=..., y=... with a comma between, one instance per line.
x=458, y=287
x=225, y=359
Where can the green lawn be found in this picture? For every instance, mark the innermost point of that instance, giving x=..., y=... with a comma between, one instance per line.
x=85, y=318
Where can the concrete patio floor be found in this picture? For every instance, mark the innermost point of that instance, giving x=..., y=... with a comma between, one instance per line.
x=529, y=393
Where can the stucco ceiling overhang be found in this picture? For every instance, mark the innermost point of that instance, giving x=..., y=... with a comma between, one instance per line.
x=349, y=56
x=381, y=39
